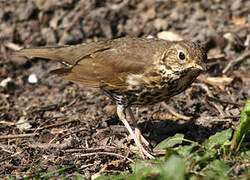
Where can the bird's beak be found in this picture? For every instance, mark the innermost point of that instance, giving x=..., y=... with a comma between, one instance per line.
x=200, y=65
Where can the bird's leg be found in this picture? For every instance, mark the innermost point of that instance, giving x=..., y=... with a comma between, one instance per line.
x=137, y=130
x=122, y=116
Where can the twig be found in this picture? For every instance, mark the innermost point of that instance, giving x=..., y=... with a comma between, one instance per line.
x=63, y=145
x=235, y=61
x=58, y=124
x=102, y=148
x=45, y=122
x=106, y=153
x=11, y=156
x=202, y=79
x=13, y=46
x=50, y=107
x=209, y=94
x=83, y=129
x=8, y=123
x=216, y=56
x=226, y=102
x=15, y=136
x=172, y=111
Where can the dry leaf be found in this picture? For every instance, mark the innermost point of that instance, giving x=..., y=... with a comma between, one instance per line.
x=222, y=80
x=169, y=36
x=239, y=21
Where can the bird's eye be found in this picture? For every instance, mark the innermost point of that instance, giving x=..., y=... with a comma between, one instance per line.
x=181, y=55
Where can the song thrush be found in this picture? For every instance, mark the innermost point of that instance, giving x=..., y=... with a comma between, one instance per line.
x=132, y=71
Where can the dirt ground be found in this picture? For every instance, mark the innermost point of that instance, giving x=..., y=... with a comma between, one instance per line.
x=47, y=123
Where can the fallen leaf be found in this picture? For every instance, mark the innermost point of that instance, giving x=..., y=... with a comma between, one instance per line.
x=239, y=21
x=169, y=36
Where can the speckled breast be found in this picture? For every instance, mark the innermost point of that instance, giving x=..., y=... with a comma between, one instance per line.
x=142, y=93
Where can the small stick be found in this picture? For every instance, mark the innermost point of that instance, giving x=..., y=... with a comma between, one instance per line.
x=235, y=61
x=16, y=136
x=202, y=79
x=172, y=111
x=106, y=153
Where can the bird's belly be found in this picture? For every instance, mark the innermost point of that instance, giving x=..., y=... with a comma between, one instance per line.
x=151, y=94
x=147, y=98
x=142, y=93
x=147, y=95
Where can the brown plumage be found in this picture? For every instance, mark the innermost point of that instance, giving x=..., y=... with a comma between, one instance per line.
x=133, y=71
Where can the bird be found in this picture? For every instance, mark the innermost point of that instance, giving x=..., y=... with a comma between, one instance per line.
x=132, y=71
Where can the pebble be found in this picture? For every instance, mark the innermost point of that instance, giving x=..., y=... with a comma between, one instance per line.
x=4, y=82
x=32, y=79
x=23, y=124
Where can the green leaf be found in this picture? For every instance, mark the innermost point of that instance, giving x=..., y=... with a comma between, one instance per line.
x=243, y=128
x=218, y=139
x=204, y=158
x=245, y=154
x=220, y=166
x=61, y=170
x=147, y=166
x=185, y=151
x=170, y=152
x=173, y=169
x=141, y=165
x=126, y=176
x=217, y=170
x=170, y=142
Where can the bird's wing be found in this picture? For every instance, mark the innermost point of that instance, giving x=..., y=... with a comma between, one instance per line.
x=68, y=55
x=105, y=62
x=111, y=66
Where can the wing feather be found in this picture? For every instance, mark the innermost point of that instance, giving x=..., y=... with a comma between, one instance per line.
x=105, y=62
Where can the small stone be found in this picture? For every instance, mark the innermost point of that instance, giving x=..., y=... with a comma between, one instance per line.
x=23, y=124
x=32, y=79
x=5, y=82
